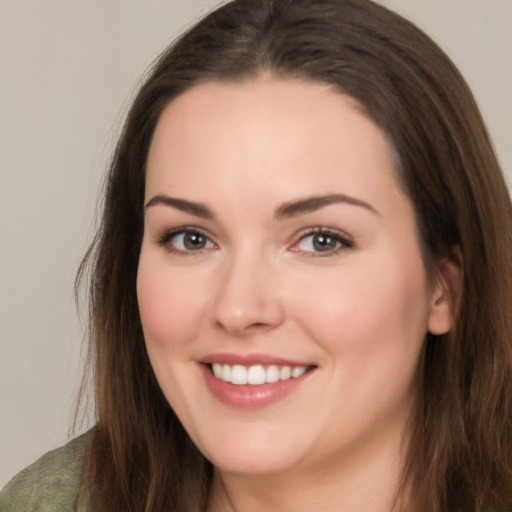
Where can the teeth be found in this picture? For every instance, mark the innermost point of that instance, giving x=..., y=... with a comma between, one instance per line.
x=226, y=373
x=217, y=370
x=255, y=375
x=272, y=374
x=285, y=373
x=298, y=371
x=238, y=375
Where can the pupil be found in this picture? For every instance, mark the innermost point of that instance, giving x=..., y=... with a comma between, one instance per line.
x=324, y=242
x=194, y=241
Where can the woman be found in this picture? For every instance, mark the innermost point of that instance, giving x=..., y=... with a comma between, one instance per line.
x=301, y=283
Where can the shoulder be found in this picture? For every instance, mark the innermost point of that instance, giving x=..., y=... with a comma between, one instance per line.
x=54, y=482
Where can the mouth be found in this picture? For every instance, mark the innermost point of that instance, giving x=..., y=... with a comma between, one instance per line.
x=257, y=374
x=253, y=381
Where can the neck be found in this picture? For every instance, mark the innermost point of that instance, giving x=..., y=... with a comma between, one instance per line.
x=366, y=480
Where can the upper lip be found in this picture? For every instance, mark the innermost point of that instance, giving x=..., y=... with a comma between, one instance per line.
x=250, y=360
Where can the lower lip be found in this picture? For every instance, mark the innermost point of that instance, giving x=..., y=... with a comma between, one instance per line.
x=247, y=396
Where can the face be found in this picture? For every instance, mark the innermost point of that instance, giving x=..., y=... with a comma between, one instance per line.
x=281, y=286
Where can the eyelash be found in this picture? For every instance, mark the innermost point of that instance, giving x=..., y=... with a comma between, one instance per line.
x=341, y=241
x=165, y=239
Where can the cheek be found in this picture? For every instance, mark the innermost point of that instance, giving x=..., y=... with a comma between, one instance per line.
x=369, y=309
x=171, y=304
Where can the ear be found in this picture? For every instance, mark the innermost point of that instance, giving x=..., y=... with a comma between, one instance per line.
x=446, y=293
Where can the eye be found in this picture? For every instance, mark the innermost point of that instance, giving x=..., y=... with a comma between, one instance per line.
x=185, y=241
x=322, y=242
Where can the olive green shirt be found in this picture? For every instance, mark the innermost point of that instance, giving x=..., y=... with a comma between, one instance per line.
x=51, y=484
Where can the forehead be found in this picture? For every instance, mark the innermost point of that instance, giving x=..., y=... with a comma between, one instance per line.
x=305, y=137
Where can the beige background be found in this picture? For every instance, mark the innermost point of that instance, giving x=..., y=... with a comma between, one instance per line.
x=68, y=70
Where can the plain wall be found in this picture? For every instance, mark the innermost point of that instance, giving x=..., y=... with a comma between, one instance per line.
x=68, y=70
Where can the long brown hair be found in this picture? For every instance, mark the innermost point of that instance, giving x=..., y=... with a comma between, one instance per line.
x=459, y=455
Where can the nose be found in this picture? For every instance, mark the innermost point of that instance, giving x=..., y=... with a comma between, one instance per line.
x=246, y=300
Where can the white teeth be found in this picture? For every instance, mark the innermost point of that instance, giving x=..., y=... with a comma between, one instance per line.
x=272, y=373
x=298, y=371
x=238, y=375
x=226, y=373
x=255, y=375
x=285, y=373
x=217, y=370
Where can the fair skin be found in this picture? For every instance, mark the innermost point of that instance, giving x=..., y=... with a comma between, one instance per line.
x=240, y=266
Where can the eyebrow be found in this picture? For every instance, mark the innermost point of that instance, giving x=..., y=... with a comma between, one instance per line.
x=311, y=204
x=197, y=209
x=285, y=211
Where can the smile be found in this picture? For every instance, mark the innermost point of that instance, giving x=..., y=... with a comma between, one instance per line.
x=256, y=375
x=253, y=381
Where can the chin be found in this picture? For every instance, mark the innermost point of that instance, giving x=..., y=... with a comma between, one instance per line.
x=252, y=454
x=253, y=465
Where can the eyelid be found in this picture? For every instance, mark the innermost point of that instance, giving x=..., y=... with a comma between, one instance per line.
x=345, y=241
x=164, y=236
